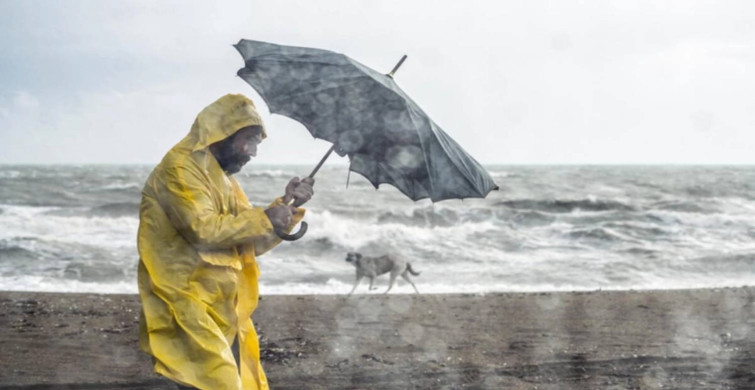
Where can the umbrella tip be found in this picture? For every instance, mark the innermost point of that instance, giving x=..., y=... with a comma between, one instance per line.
x=395, y=68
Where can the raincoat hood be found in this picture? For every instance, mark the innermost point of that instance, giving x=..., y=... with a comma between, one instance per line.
x=221, y=119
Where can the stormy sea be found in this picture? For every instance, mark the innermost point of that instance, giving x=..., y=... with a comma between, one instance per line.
x=69, y=228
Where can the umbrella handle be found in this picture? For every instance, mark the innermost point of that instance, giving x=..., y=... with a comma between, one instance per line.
x=292, y=237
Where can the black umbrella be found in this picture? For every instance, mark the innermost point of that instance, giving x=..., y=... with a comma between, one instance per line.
x=366, y=116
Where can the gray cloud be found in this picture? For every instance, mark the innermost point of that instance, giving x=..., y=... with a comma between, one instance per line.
x=526, y=82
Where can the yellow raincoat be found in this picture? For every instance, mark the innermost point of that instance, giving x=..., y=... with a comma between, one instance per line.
x=198, y=238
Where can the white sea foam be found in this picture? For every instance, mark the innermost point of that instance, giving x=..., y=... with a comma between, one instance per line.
x=354, y=233
x=10, y=174
x=48, y=284
x=34, y=222
x=337, y=287
x=252, y=172
x=121, y=186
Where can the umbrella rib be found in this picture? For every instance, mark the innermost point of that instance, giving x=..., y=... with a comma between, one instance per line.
x=424, y=155
x=296, y=60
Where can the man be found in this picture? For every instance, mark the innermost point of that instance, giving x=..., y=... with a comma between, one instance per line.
x=198, y=238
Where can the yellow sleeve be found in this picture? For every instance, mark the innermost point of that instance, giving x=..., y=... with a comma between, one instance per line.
x=188, y=202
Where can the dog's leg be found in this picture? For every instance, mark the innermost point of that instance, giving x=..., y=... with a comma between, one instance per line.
x=406, y=277
x=393, y=280
x=372, y=281
x=356, y=283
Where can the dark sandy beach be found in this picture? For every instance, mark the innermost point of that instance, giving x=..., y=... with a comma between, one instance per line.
x=688, y=339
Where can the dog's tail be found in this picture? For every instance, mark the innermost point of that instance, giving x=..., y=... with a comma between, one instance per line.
x=409, y=268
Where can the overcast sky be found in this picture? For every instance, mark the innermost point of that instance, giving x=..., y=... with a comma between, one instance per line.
x=519, y=82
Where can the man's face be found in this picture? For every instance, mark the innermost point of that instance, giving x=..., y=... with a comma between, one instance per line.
x=235, y=151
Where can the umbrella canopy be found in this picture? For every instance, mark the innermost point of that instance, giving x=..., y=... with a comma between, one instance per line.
x=366, y=116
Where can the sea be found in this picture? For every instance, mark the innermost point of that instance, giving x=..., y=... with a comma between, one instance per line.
x=72, y=228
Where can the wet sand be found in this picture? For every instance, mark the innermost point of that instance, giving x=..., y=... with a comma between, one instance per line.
x=688, y=339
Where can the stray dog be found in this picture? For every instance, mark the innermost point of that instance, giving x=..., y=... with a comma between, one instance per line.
x=375, y=266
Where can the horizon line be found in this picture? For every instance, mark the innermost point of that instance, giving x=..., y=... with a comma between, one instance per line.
x=346, y=164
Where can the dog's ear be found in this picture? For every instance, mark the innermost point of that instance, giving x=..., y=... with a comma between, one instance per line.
x=358, y=255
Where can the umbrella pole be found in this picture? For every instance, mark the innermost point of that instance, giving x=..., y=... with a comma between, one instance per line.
x=303, y=229
x=322, y=161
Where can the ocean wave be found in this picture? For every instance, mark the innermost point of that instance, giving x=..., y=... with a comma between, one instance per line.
x=341, y=286
x=109, y=210
x=684, y=206
x=641, y=251
x=356, y=234
x=567, y=206
x=17, y=250
x=441, y=217
x=422, y=217
x=320, y=247
x=737, y=205
x=502, y=174
x=733, y=263
x=638, y=230
x=99, y=271
x=703, y=191
x=644, y=228
x=121, y=209
x=498, y=241
x=267, y=173
x=338, y=286
x=12, y=174
x=20, y=213
x=120, y=186
x=598, y=233
x=91, y=231
x=531, y=218
x=53, y=284
x=10, y=252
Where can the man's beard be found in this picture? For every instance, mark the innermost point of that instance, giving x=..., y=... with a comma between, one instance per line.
x=230, y=161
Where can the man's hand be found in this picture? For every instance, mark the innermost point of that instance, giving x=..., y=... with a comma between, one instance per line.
x=300, y=191
x=280, y=216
